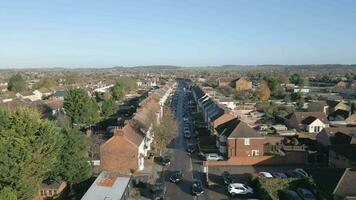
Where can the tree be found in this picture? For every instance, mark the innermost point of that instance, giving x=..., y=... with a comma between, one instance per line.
x=80, y=108
x=7, y=193
x=118, y=91
x=29, y=147
x=128, y=83
x=16, y=83
x=264, y=92
x=296, y=96
x=72, y=165
x=164, y=131
x=296, y=79
x=45, y=83
x=108, y=107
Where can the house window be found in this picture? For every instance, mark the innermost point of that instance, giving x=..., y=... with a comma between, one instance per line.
x=42, y=193
x=247, y=141
x=255, y=152
x=50, y=192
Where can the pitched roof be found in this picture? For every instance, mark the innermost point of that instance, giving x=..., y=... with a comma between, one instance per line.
x=132, y=135
x=339, y=113
x=346, y=150
x=236, y=128
x=332, y=103
x=309, y=120
x=346, y=185
x=300, y=116
x=241, y=79
x=222, y=119
x=346, y=130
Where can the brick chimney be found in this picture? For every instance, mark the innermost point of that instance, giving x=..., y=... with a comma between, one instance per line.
x=118, y=131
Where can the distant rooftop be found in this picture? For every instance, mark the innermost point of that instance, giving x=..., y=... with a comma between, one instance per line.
x=108, y=186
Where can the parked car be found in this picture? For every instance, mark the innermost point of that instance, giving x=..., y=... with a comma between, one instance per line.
x=239, y=189
x=166, y=160
x=158, y=191
x=213, y=157
x=279, y=175
x=227, y=178
x=306, y=194
x=197, y=187
x=288, y=195
x=294, y=174
x=187, y=134
x=201, y=156
x=190, y=148
x=176, y=177
x=264, y=175
x=301, y=171
x=185, y=119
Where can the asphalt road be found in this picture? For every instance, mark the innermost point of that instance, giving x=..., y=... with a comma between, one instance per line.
x=180, y=161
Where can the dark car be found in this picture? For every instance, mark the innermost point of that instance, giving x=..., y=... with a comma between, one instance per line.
x=187, y=134
x=294, y=174
x=306, y=194
x=166, y=160
x=158, y=191
x=197, y=187
x=288, y=195
x=227, y=178
x=176, y=177
x=190, y=148
x=279, y=175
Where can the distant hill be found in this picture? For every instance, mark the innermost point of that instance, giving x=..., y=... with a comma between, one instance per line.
x=156, y=67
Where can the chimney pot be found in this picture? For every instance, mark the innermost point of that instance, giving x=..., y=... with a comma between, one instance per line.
x=119, y=131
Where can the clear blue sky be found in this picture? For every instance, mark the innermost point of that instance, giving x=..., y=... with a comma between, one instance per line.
x=93, y=33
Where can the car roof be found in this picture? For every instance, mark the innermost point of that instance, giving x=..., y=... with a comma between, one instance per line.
x=237, y=184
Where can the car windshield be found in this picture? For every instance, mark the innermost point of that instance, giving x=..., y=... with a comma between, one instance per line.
x=197, y=184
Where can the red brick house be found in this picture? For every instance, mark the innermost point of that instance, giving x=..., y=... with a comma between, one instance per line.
x=50, y=189
x=237, y=139
x=242, y=84
x=124, y=152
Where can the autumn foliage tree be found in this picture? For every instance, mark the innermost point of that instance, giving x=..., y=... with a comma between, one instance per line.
x=264, y=91
x=164, y=131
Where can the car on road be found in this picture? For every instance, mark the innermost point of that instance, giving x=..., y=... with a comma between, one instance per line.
x=185, y=119
x=264, y=175
x=288, y=195
x=187, y=134
x=213, y=157
x=190, y=148
x=166, y=160
x=301, y=171
x=158, y=191
x=227, y=178
x=197, y=187
x=279, y=175
x=239, y=189
x=176, y=177
x=306, y=194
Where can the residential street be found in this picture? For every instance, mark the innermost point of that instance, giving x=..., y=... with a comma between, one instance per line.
x=180, y=160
